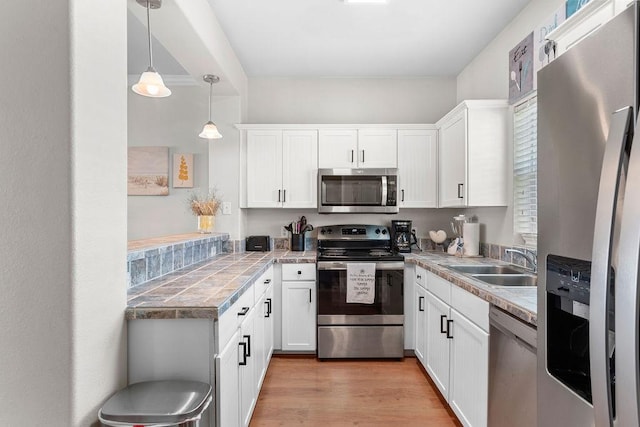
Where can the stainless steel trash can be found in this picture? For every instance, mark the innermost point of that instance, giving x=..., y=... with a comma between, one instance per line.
x=157, y=404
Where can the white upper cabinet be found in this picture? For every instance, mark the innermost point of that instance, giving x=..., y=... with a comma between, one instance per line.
x=472, y=145
x=418, y=168
x=377, y=148
x=282, y=168
x=300, y=169
x=264, y=169
x=364, y=148
x=338, y=148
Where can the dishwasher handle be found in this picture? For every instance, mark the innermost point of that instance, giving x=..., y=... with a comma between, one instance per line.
x=523, y=333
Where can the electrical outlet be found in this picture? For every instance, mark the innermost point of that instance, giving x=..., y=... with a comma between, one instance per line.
x=226, y=208
x=283, y=232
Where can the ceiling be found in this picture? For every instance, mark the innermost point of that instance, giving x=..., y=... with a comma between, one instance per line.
x=328, y=38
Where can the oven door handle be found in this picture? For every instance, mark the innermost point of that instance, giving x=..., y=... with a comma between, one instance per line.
x=342, y=266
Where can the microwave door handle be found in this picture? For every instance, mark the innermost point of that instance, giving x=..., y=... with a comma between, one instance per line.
x=601, y=268
x=384, y=190
x=626, y=298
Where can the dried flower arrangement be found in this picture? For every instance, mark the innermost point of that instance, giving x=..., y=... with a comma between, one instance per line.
x=204, y=204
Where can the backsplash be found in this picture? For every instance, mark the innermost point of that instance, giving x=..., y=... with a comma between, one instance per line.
x=160, y=259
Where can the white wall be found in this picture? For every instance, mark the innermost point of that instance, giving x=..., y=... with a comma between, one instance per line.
x=350, y=100
x=63, y=145
x=487, y=76
x=347, y=100
x=173, y=122
x=271, y=221
x=224, y=159
x=98, y=199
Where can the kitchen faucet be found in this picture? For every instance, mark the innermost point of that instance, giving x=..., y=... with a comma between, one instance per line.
x=526, y=254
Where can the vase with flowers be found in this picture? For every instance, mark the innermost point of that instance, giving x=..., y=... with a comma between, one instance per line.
x=205, y=207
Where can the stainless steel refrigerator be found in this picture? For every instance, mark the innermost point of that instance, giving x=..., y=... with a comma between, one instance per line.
x=589, y=231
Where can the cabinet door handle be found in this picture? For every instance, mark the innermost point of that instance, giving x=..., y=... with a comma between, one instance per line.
x=442, y=328
x=284, y=196
x=418, y=276
x=362, y=156
x=267, y=314
x=269, y=308
x=244, y=353
x=309, y=295
x=266, y=282
x=299, y=272
x=279, y=196
x=248, y=337
x=449, y=323
x=402, y=194
x=351, y=156
x=244, y=311
x=420, y=305
x=460, y=187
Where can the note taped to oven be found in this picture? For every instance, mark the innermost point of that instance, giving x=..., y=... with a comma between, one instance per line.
x=361, y=283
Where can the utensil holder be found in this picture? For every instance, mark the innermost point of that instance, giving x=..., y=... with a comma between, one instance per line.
x=297, y=242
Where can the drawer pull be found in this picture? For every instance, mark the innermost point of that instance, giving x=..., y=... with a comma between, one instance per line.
x=266, y=282
x=248, y=337
x=299, y=272
x=244, y=353
x=244, y=311
x=442, y=328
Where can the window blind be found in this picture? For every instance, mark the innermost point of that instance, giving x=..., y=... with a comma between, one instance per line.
x=525, y=170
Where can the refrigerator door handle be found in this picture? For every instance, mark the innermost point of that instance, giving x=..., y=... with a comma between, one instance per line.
x=612, y=166
x=627, y=315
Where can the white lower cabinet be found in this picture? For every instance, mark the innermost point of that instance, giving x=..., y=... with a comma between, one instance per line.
x=456, y=342
x=229, y=400
x=299, y=319
x=437, y=360
x=469, y=382
x=420, y=323
x=253, y=342
x=247, y=368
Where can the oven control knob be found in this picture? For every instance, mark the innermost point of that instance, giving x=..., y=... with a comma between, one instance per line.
x=377, y=231
x=322, y=231
x=384, y=231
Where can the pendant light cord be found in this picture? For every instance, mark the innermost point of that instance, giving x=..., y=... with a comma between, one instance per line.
x=149, y=38
x=210, y=95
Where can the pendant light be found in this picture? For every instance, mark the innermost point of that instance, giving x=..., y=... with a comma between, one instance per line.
x=150, y=83
x=210, y=130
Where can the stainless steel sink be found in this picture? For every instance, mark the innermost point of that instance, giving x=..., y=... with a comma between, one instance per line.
x=507, y=279
x=484, y=269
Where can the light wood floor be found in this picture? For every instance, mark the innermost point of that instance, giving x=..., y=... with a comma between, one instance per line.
x=306, y=392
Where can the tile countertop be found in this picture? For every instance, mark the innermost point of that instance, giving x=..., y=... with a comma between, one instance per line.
x=206, y=289
x=522, y=302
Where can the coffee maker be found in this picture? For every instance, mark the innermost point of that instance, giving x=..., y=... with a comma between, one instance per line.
x=402, y=236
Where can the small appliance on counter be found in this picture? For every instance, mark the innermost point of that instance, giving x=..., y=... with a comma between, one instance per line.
x=403, y=236
x=258, y=244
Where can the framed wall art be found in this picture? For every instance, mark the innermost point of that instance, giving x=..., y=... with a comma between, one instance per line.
x=182, y=170
x=148, y=171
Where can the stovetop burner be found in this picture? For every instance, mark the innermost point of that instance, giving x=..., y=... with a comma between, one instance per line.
x=355, y=243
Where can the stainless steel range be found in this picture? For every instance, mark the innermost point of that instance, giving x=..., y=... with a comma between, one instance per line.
x=360, y=293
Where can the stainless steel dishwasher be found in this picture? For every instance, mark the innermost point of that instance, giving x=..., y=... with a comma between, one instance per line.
x=512, y=371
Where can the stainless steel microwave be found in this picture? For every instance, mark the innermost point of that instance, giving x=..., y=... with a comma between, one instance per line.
x=357, y=191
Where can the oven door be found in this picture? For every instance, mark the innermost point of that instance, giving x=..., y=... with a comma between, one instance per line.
x=388, y=305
